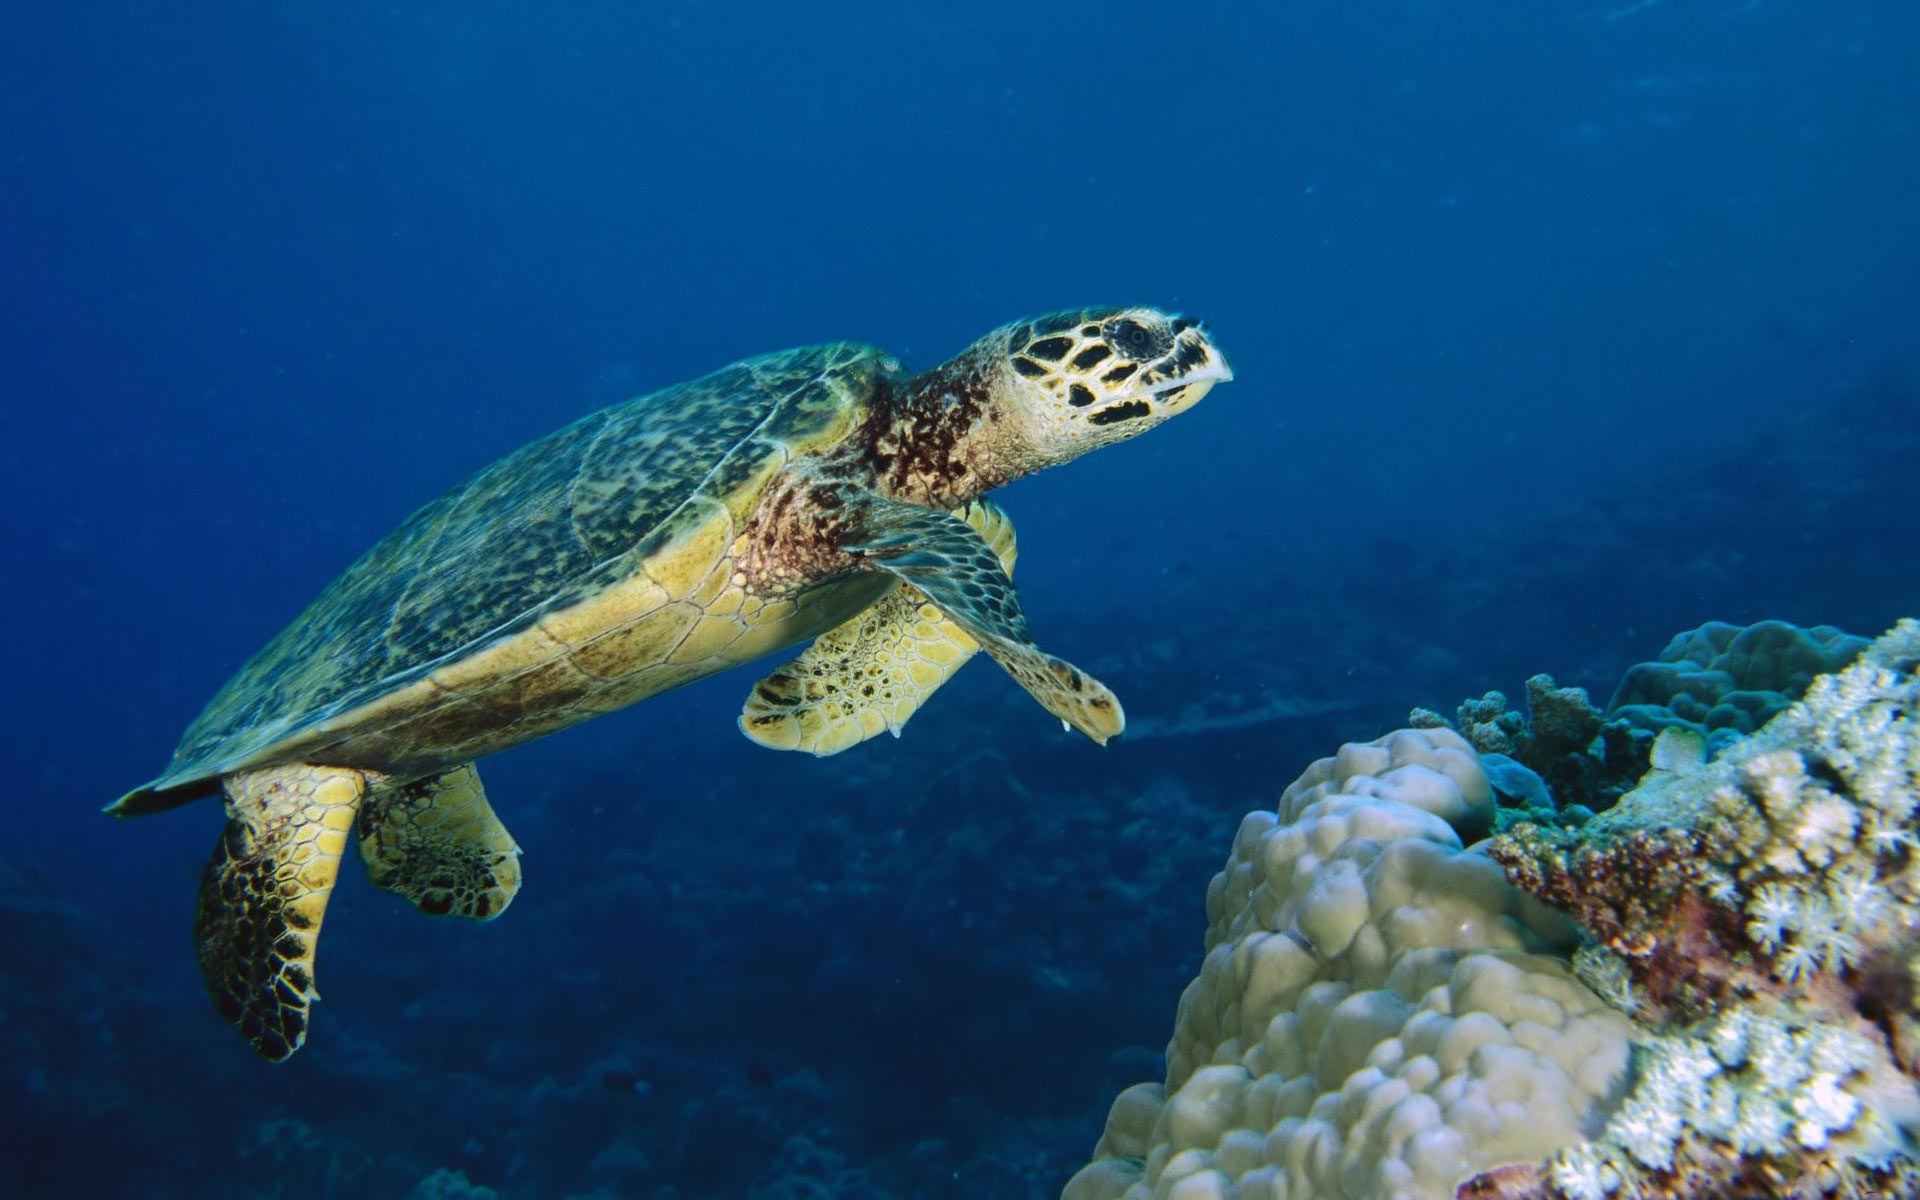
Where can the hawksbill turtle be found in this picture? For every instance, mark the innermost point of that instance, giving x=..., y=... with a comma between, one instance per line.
x=822, y=493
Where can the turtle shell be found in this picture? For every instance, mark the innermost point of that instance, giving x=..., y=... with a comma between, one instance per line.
x=543, y=529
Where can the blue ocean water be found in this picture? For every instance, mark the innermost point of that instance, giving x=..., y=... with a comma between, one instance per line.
x=1557, y=329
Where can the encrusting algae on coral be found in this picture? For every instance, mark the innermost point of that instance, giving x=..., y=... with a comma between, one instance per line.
x=1764, y=907
x=1386, y=1012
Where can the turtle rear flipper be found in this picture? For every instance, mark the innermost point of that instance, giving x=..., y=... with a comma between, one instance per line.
x=437, y=842
x=265, y=893
x=871, y=673
x=947, y=559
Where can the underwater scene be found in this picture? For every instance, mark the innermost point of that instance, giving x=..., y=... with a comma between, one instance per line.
x=1425, y=497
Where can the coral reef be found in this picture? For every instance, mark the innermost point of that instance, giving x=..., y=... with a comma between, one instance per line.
x=1379, y=1013
x=1760, y=912
x=901, y=972
x=1751, y=927
x=1561, y=740
x=1718, y=682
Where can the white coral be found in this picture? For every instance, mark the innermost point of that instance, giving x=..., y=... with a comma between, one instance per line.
x=1838, y=1050
x=1818, y=931
x=1719, y=1115
x=1729, y=1038
x=1864, y=721
x=1753, y=1079
x=1887, y=837
x=1585, y=1175
x=1774, y=1058
x=1797, y=963
x=1858, y=897
x=1825, y=827
x=1762, y=1126
x=1822, y=1108
x=1647, y=1131
x=1827, y=934
x=1774, y=910
x=1776, y=777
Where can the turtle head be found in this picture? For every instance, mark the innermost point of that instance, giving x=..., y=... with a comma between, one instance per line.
x=1033, y=394
x=1075, y=381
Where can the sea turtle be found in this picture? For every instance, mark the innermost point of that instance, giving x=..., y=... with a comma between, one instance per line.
x=820, y=492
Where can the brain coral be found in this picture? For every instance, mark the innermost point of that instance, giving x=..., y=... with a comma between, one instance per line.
x=1379, y=1013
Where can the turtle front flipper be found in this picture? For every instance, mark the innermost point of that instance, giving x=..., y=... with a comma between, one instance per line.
x=873, y=672
x=265, y=893
x=437, y=842
x=947, y=559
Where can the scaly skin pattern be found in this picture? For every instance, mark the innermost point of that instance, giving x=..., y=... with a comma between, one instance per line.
x=870, y=674
x=948, y=436
x=265, y=893
x=943, y=557
x=437, y=842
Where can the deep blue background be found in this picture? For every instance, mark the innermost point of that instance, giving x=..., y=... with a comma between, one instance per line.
x=273, y=277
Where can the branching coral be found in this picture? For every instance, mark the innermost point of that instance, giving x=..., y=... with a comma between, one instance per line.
x=1487, y=724
x=1562, y=738
x=1730, y=1102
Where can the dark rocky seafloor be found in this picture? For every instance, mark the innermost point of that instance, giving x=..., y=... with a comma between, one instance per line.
x=922, y=970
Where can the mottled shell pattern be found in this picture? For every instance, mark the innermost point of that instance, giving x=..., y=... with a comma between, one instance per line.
x=545, y=529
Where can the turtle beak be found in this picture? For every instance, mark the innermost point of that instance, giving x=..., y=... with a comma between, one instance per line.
x=1189, y=370
x=1222, y=372
x=1211, y=365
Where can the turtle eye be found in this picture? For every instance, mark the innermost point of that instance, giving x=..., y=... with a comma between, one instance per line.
x=1131, y=337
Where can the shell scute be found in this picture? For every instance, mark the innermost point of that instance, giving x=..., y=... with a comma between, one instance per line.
x=684, y=553
x=707, y=641
x=635, y=595
x=642, y=643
